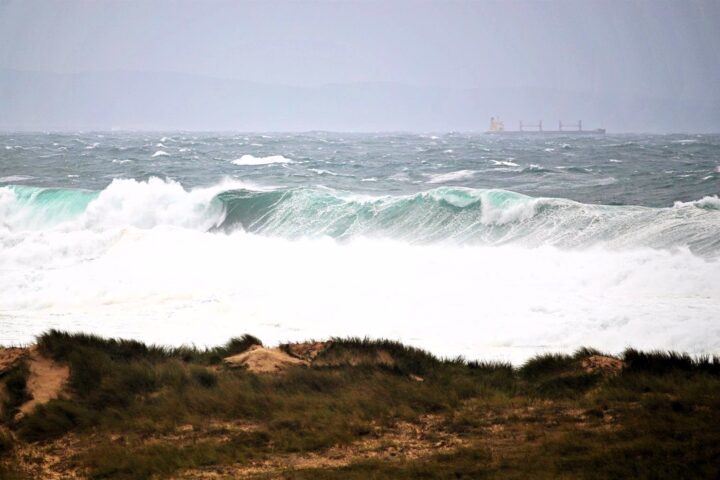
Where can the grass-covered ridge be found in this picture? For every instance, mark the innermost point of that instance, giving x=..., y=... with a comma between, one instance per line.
x=363, y=408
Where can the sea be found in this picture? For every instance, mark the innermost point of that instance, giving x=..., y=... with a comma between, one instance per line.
x=463, y=244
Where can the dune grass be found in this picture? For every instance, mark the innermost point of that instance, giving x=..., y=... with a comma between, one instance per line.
x=655, y=419
x=15, y=388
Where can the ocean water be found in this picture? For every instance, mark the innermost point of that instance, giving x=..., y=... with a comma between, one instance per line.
x=463, y=244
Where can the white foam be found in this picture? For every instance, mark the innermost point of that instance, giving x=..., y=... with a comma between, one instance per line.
x=320, y=171
x=173, y=286
x=506, y=163
x=140, y=262
x=507, y=212
x=709, y=202
x=160, y=153
x=450, y=176
x=252, y=160
x=15, y=178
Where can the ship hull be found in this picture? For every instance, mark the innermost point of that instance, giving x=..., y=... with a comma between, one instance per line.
x=599, y=131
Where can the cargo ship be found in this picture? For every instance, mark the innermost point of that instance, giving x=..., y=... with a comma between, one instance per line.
x=497, y=127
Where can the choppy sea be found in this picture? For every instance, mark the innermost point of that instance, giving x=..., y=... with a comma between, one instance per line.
x=463, y=244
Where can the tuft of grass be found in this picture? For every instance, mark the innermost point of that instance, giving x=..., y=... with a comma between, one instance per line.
x=659, y=362
x=204, y=377
x=61, y=345
x=547, y=365
x=16, y=392
x=54, y=419
x=388, y=354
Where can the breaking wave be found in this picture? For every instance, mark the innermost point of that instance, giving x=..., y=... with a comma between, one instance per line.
x=445, y=214
x=156, y=261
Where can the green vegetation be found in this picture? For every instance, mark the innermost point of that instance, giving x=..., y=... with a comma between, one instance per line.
x=141, y=412
x=16, y=393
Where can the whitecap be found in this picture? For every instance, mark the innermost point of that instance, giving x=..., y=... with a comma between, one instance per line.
x=160, y=153
x=252, y=160
x=320, y=171
x=505, y=163
x=450, y=176
x=15, y=178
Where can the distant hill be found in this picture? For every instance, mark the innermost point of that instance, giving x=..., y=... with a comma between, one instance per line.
x=157, y=101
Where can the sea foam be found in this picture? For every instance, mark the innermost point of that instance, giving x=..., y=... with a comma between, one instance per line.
x=252, y=160
x=482, y=273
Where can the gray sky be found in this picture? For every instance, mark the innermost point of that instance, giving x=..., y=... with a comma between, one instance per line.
x=653, y=48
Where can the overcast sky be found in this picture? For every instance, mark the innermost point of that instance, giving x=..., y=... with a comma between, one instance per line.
x=626, y=65
x=655, y=47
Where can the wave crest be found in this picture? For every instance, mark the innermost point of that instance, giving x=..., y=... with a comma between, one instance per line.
x=445, y=214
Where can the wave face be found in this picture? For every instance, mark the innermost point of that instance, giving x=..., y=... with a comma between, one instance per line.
x=461, y=215
x=441, y=215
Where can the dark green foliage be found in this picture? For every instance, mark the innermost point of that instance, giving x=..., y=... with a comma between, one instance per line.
x=16, y=389
x=204, y=378
x=55, y=418
x=153, y=461
x=60, y=346
x=658, y=362
x=584, y=352
x=6, y=442
x=546, y=365
x=101, y=382
x=405, y=359
x=565, y=386
x=238, y=345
